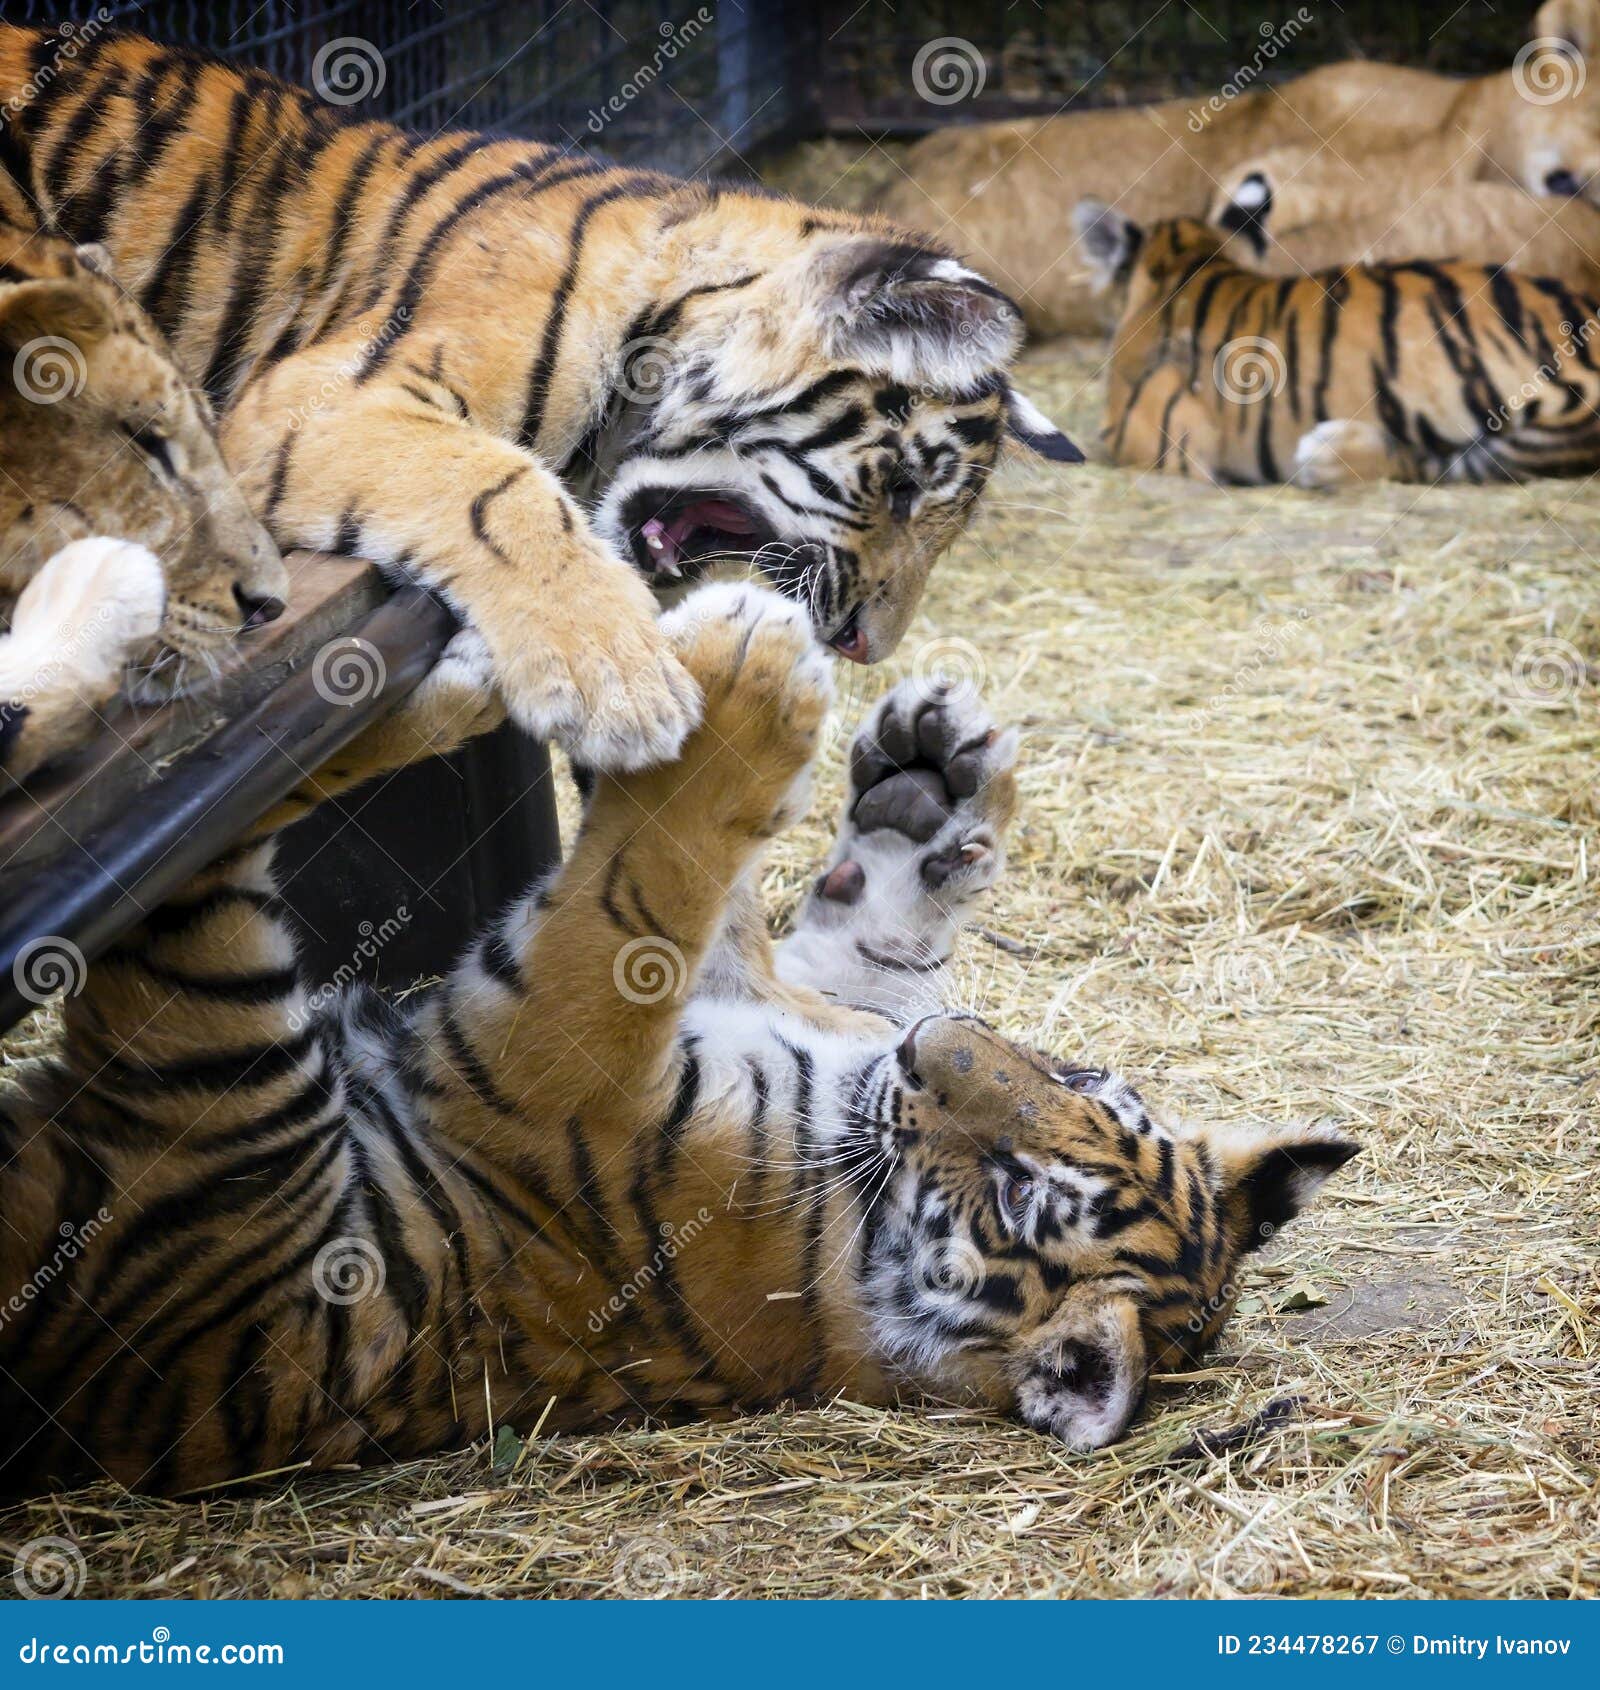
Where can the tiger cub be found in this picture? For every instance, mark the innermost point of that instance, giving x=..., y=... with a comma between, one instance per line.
x=122, y=534
x=624, y=1161
x=535, y=381
x=1408, y=372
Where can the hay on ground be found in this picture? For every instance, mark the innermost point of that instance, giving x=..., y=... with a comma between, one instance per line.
x=1309, y=830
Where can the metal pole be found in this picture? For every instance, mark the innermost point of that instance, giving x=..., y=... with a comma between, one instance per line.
x=94, y=890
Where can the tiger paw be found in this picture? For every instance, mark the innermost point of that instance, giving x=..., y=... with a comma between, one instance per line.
x=611, y=693
x=767, y=686
x=454, y=702
x=931, y=793
x=457, y=699
x=932, y=774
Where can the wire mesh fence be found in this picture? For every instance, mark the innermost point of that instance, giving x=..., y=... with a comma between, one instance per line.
x=675, y=83
x=701, y=85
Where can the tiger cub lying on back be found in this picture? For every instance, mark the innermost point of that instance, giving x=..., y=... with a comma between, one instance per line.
x=122, y=534
x=1410, y=372
x=623, y=1161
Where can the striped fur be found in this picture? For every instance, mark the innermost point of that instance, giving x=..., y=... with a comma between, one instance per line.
x=118, y=517
x=1411, y=372
x=623, y=1161
x=514, y=371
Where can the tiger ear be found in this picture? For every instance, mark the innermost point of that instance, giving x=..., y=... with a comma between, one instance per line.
x=915, y=317
x=54, y=306
x=1108, y=241
x=1574, y=23
x=1267, y=1178
x=1028, y=427
x=1082, y=1376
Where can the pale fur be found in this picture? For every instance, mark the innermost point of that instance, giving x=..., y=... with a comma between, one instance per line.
x=1002, y=192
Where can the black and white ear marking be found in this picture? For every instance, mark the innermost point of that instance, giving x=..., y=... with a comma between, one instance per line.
x=1246, y=213
x=1271, y=1179
x=1085, y=1379
x=1030, y=427
x=922, y=319
x=1109, y=241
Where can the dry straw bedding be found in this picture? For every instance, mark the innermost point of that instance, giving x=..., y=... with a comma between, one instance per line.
x=1309, y=827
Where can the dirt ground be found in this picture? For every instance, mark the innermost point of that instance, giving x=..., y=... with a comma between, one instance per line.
x=1309, y=827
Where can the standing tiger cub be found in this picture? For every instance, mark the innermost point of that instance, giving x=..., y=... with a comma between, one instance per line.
x=623, y=1161
x=123, y=538
x=532, y=380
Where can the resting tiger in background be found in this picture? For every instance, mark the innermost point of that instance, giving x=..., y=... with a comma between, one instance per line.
x=1405, y=372
x=1005, y=191
x=532, y=380
x=123, y=538
x=623, y=1161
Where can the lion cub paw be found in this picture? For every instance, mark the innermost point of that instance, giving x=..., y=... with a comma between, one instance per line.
x=94, y=605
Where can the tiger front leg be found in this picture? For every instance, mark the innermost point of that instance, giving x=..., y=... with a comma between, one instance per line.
x=1164, y=425
x=932, y=792
x=376, y=472
x=599, y=965
x=1344, y=453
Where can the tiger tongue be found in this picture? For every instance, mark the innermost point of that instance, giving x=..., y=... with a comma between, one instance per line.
x=721, y=514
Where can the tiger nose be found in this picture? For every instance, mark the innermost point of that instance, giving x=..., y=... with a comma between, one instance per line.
x=257, y=609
